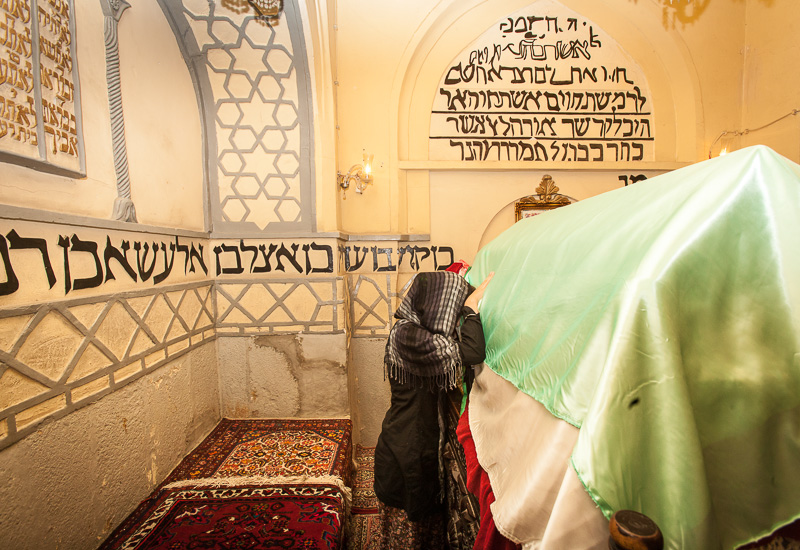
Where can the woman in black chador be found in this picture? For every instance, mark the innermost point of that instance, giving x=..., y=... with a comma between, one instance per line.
x=437, y=335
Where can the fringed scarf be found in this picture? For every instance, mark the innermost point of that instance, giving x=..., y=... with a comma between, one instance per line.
x=422, y=346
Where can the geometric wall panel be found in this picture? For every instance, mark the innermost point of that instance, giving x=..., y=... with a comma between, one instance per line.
x=274, y=306
x=59, y=356
x=374, y=299
x=252, y=80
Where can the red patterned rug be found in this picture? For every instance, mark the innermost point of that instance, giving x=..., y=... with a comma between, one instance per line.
x=364, y=499
x=364, y=519
x=303, y=516
x=270, y=448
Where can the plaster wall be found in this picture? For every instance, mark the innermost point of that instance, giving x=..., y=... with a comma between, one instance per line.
x=284, y=376
x=691, y=57
x=162, y=123
x=162, y=128
x=372, y=392
x=74, y=480
x=771, y=87
x=319, y=30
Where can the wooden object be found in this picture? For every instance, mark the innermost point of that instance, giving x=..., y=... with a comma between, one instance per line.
x=634, y=531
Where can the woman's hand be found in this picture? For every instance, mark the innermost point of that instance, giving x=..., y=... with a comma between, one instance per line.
x=474, y=300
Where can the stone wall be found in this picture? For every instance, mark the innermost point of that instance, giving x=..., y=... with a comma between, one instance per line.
x=69, y=484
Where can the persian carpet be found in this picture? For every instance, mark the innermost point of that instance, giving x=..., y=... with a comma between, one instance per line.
x=283, y=516
x=270, y=449
x=364, y=519
x=364, y=499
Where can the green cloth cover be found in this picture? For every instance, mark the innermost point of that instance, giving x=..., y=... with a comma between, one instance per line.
x=663, y=320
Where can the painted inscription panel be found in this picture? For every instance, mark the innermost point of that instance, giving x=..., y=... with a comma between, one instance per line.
x=543, y=84
x=39, y=106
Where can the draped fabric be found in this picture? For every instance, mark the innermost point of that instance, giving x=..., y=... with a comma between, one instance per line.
x=422, y=346
x=537, y=499
x=663, y=321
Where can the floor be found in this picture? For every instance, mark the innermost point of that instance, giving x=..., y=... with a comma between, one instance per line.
x=363, y=528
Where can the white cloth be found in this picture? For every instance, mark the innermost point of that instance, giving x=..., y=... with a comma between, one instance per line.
x=525, y=450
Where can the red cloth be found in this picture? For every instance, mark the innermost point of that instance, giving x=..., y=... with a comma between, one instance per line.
x=459, y=267
x=488, y=537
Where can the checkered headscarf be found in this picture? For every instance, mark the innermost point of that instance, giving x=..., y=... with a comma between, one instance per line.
x=422, y=344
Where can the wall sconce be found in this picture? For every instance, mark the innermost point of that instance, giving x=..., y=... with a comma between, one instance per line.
x=359, y=174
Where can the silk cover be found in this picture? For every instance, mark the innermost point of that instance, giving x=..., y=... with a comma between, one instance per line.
x=663, y=320
x=524, y=450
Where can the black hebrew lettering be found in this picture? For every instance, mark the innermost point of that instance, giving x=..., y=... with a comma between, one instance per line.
x=228, y=270
x=85, y=253
x=633, y=178
x=377, y=251
x=542, y=90
x=283, y=252
x=420, y=250
x=437, y=266
x=82, y=246
x=252, y=249
x=145, y=273
x=150, y=264
x=197, y=254
x=11, y=284
x=185, y=250
x=266, y=267
x=16, y=243
x=412, y=262
x=112, y=253
x=358, y=263
x=63, y=242
x=322, y=248
x=167, y=264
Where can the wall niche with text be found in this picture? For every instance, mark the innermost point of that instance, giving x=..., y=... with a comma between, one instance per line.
x=543, y=84
x=40, y=122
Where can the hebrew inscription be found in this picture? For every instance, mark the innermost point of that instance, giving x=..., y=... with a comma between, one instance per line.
x=417, y=258
x=543, y=85
x=89, y=263
x=39, y=105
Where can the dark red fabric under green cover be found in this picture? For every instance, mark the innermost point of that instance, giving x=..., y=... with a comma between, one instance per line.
x=488, y=537
x=246, y=517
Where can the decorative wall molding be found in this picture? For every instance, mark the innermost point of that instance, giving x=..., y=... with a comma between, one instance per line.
x=280, y=306
x=373, y=299
x=259, y=167
x=124, y=209
x=59, y=356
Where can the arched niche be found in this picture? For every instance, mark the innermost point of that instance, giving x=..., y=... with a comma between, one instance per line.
x=547, y=197
x=663, y=58
x=449, y=30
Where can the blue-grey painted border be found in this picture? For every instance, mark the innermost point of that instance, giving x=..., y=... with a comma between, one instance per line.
x=305, y=111
x=196, y=62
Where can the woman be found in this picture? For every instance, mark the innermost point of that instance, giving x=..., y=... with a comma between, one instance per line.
x=426, y=354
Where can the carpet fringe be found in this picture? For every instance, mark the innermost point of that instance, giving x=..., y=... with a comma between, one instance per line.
x=267, y=480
